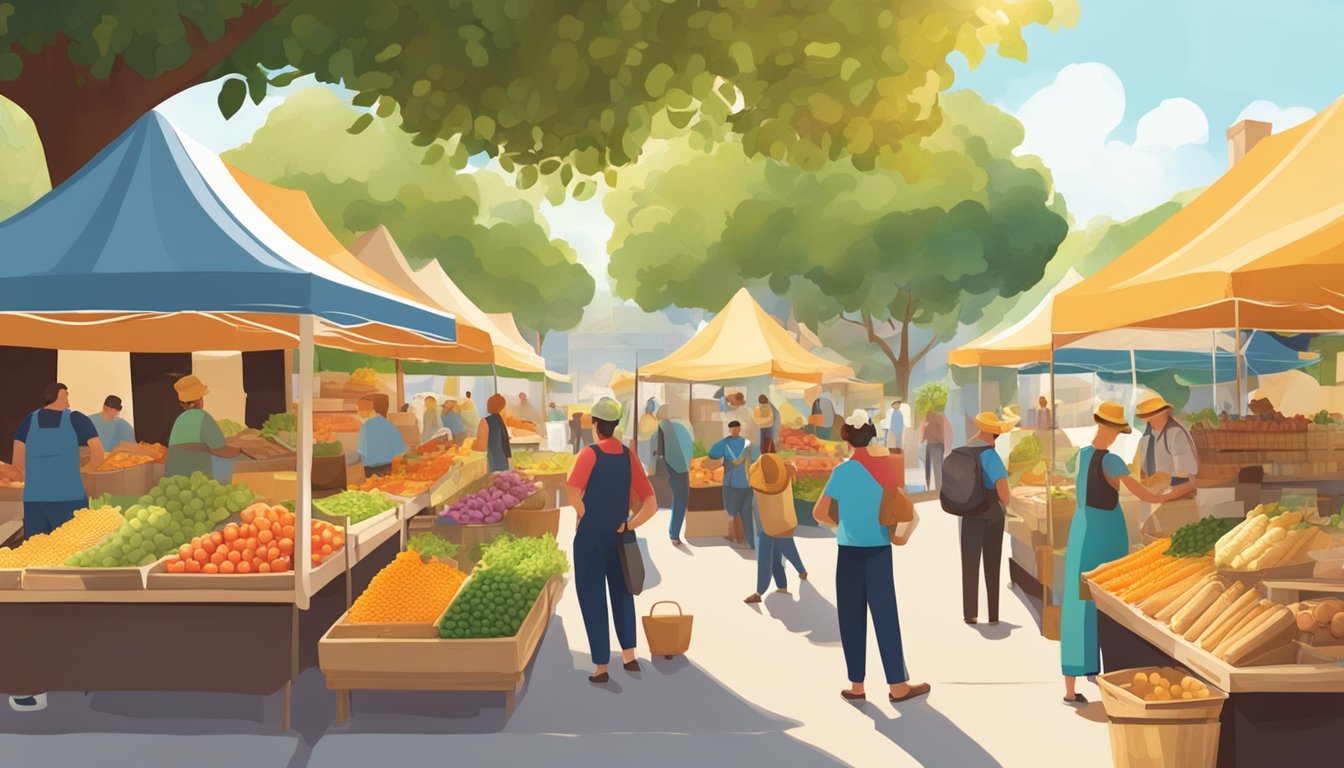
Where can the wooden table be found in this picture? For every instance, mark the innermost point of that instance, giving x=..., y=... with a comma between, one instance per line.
x=1275, y=715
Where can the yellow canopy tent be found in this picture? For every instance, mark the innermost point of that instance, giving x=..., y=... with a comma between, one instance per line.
x=1261, y=248
x=1022, y=343
x=742, y=342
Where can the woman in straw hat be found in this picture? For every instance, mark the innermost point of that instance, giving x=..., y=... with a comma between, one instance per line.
x=1097, y=535
x=195, y=436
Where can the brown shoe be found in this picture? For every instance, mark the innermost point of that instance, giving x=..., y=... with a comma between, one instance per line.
x=630, y=666
x=599, y=679
x=752, y=599
x=852, y=696
x=914, y=692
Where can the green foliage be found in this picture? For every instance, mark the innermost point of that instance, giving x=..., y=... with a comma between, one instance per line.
x=1028, y=449
x=930, y=397
x=976, y=224
x=571, y=88
x=432, y=547
x=278, y=424
x=25, y=172
x=488, y=238
x=503, y=588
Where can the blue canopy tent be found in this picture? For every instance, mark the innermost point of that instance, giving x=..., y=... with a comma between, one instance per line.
x=158, y=246
x=1263, y=354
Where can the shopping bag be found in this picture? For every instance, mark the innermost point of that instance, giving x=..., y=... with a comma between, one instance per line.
x=632, y=562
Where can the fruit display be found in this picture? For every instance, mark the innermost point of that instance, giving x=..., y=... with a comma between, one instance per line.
x=364, y=376
x=1230, y=621
x=1319, y=622
x=409, y=589
x=164, y=519
x=1270, y=536
x=703, y=476
x=280, y=427
x=1167, y=685
x=808, y=488
x=1198, y=538
x=262, y=543
x=797, y=440
x=328, y=450
x=230, y=428
x=431, y=546
x=517, y=424
x=550, y=464
x=488, y=505
x=1028, y=449
x=503, y=588
x=9, y=476
x=415, y=473
x=326, y=425
x=88, y=528
x=117, y=460
x=355, y=506
x=808, y=465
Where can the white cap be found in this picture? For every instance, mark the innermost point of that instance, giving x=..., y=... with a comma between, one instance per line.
x=858, y=418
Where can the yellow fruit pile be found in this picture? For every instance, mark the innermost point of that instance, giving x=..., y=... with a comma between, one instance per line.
x=1156, y=686
x=88, y=528
x=408, y=590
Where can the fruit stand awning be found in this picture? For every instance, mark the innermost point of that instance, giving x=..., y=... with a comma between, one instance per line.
x=1263, y=355
x=504, y=346
x=1262, y=247
x=741, y=342
x=1022, y=343
x=156, y=225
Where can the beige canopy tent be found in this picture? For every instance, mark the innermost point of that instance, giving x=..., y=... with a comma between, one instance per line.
x=1022, y=343
x=742, y=342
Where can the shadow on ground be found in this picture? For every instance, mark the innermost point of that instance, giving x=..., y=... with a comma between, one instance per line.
x=928, y=736
x=810, y=615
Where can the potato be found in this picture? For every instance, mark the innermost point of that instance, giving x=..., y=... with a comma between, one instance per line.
x=1306, y=621
x=1154, y=678
x=1176, y=691
x=1337, y=626
x=1163, y=694
x=1139, y=677
x=1187, y=696
x=1326, y=611
x=1150, y=697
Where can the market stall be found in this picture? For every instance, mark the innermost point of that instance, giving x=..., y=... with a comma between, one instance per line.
x=1259, y=250
x=94, y=618
x=741, y=343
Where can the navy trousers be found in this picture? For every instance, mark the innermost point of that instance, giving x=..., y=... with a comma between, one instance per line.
x=597, y=573
x=864, y=585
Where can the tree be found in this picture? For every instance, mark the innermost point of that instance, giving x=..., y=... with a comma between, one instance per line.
x=486, y=236
x=874, y=250
x=568, y=88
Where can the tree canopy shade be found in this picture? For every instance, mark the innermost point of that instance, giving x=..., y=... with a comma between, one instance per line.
x=489, y=240
x=873, y=249
x=568, y=88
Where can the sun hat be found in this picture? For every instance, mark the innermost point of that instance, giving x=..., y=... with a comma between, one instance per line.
x=858, y=418
x=1112, y=415
x=769, y=474
x=992, y=424
x=1151, y=407
x=606, y=409
x=190, y=389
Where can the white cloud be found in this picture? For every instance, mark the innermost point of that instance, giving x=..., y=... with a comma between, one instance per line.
x=1282, y=118
x=1070, y=124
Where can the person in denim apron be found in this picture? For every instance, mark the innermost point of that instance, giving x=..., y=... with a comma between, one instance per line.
x=46, y=452
x=737, y=454
x=600, y=487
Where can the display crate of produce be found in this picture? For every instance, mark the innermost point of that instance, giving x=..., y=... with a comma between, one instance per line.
x=393, y=512
x=473, y=469
x=434, y=664
x=65, y=578
x=322, y=575
x=11, y=579
x=131, y=481
x=1149, y=734
x=523, y=521
x=443, y=489
x=467, y=537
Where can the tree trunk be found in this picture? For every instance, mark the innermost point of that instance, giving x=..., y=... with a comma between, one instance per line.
x=77, y=115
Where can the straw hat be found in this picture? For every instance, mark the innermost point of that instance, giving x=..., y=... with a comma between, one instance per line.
x=769, y=474
x=1151, y=407
x=992, y=424
x=1112, y=415
x=190, y=389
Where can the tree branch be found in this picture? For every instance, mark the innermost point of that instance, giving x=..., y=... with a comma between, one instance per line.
x=927, y=348
x=853, y=322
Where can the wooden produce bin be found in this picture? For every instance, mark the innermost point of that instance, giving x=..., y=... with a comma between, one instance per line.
x=132, y=481
x=1157, y=734
x=64, y=578
x=526, y=523
x=466, y=537
x=390, y=663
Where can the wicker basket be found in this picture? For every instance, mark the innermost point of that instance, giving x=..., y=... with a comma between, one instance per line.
x=668, y=635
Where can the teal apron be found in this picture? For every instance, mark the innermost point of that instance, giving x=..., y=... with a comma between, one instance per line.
x=498, y=452
x=53, y=488
x=1097, y=535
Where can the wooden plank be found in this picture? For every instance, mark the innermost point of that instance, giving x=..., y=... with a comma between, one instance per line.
x=1284, y=591
x=1275, y=678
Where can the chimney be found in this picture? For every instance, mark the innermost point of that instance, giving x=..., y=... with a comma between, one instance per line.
x=1243, y=136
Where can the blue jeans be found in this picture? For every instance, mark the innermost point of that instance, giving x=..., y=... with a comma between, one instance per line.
x=863, y=585
x=738, y=502
x=680, y=483
x=771, y=553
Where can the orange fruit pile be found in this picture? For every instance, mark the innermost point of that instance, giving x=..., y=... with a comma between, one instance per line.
x=122, y=460
x=408, y=590
x=88, y=528
x=262, y=543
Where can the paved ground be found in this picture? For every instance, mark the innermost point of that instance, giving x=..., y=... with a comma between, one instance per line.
x=760, y=687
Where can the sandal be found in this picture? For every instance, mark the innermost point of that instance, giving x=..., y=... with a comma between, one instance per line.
x=914, y=692
x=852, y=696
x=1078, y=700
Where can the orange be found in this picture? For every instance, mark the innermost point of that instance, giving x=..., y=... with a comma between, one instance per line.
x=231, y=532
x=286, y=546
x=249, y=555
x=210, y=568
x=226, y=567
x=317, y=559
x=245, y=567
x=264, y=568
x=217, y=557
x=177, y=566
x=193, y=566
x=249, y=513
x=234, y=557
x=265, y=536
x=217, y=538
x=272, y=554
x=200, y=556
x=184, y=551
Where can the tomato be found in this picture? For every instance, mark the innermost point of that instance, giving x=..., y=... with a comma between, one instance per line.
x=200, y=556
x=286, y=546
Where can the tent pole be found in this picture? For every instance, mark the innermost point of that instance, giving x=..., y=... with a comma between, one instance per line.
x=690, y=397
x=1133, y=382
x=637, y=415
x=494, y=371
x=1046, y=560
x=980, y=387
x=401, y=385
x=1241, y=398
x=303, y=501
x=1213, y=366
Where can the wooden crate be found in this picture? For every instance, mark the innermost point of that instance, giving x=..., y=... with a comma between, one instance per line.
x=132, y=481
x=158, y=578
x=62, y=578
x=533, y=522
x=434, y=664
x=11, y=579
x=1155, y=734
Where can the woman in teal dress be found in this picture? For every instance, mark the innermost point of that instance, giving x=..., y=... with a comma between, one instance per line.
x=1097, y=535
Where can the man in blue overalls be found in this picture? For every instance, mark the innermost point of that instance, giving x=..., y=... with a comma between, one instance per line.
x=46, y=453
x=600, y=489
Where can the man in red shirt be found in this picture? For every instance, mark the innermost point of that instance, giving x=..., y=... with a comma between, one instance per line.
x=605, y=478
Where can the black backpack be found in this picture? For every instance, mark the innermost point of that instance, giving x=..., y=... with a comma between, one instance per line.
x=963, y=493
